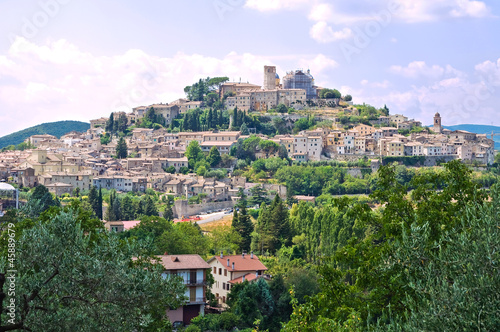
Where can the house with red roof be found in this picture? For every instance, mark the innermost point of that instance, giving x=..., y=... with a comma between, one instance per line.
x=233, y=269
x=193, y=269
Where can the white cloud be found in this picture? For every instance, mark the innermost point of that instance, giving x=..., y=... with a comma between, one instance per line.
x=274, y=5
x=58, y=81
x=323, y=33
x=458, y=98
x=431, y=10
x=379, y=85
x=418, y=69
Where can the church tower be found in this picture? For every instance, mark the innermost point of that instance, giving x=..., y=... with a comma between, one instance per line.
x=437, y=124
x=269, y=78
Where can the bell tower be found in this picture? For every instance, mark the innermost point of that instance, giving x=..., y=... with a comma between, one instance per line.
x=269, y=77
x=437, y=124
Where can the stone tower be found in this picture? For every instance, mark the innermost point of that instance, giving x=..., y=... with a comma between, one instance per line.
x=269, y=77
x=437, y=124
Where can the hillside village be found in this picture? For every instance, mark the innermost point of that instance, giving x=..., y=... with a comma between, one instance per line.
x=82, y=160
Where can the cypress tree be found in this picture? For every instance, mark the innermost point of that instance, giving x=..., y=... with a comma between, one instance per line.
x=99, y=205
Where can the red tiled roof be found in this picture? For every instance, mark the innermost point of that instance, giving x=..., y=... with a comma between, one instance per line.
x=183, y=262
x=241, y=263
x=248, y=277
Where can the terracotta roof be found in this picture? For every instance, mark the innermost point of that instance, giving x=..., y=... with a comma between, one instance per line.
x=248, y=277
x=241, y=263
x=183, y=262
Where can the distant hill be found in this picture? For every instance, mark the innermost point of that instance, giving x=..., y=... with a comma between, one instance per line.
x=479, y=129
x=57, y=129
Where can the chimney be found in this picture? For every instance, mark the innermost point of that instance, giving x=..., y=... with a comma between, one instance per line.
x=221, y=255
x=233, y=265
x=251, y=254
x=243, y=278
x=228, y=262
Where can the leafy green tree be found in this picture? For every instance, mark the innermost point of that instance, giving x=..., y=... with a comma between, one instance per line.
x=244, y=129
x=214, y=157
x=121, y=149
x=252, y=302
x=348, y=98
x=185, y=238
x=329, y=94
x=363, y=276
x=170, y=169
x=194, y=153
x=281, y=108
x=65, y=282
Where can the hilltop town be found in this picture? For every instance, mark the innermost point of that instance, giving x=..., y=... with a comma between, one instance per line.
x=307, y=124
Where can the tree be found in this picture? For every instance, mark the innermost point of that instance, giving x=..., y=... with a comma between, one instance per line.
x=348, y=98
x=281, y=108
x=127, y=208
x=121, y=149
x=194, y=153
x=65, y=282
x=110, y=124
x=214, y=157
x=122, y=122
x=252, y=302
x=244, y=129
x=329, y=94
x=368, y=275
x=170, y=169
x=259, y=195
x=245, y=229
x=98, y=210
x=168, y=214
x=149, y=207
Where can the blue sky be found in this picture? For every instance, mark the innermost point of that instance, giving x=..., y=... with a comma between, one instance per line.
x=78, y=60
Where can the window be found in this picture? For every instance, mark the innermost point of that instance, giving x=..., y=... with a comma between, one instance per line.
x=215, y=270
x=220, y=271
x=225, y=273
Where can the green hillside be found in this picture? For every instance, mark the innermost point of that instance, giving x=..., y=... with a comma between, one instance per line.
x=479, y=129
x=57, y=129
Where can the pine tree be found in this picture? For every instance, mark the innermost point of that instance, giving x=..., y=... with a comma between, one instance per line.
x=245, y=229
x=168, y=214
x=127, y=208
x=110, y=124
x=121, y=148
x=281, y=227
x=214, y=157
x=149, y=207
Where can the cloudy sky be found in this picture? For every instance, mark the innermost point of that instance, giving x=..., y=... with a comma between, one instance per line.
x=82, y=59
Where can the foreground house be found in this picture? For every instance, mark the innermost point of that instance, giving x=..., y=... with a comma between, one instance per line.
x=193, y=269
x=233, y=269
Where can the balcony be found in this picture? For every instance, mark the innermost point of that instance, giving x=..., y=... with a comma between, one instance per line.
x=194, y=282
x=197, y=300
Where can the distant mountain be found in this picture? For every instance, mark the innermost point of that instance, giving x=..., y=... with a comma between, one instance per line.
x=479, y=129
x=57, y=129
